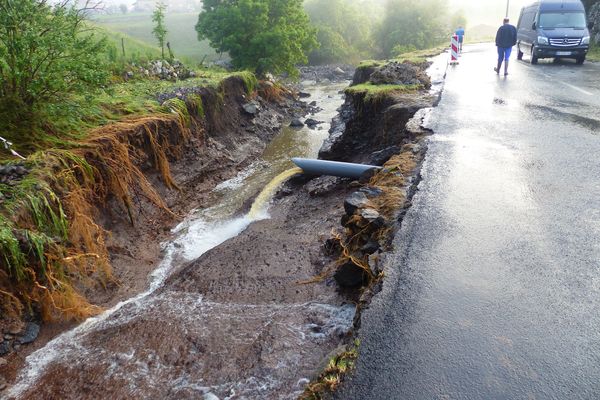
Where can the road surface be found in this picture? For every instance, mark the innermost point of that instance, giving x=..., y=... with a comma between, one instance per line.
x=493, y=291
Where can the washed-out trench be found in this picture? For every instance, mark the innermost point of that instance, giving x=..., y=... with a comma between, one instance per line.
x=225, y=312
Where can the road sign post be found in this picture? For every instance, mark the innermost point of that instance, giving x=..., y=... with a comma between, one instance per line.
x=454, y=50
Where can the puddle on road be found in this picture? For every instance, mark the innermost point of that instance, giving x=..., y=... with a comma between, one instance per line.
x=116, y=347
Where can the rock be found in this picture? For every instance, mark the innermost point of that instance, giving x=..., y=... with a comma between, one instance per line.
x=303, y=95
x=210, y=396
x=4, y=347
x=350, y=275
x=382, y=156
x=32, y=331
x=366, y=176
x=3, y=362
x=321, y=185
x=339, y=71
x=313, y=103
x=374, y=264
x=296, y=123
x=372, y=246
x=313, y=122
x=371, y=191
x=251, y=108
x=224, y=64
x=372, y=217
x=2, y=383
x=354, y=202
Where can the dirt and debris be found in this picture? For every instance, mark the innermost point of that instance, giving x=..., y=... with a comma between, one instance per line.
x=211, y=156
x=404, y=73
x=161, y=69
x=246, y=315
x=327, y=73
x=12, y=173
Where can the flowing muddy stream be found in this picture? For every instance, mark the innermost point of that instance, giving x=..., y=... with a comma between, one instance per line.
x=182, y=340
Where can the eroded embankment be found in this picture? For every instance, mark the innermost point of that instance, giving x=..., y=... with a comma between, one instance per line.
x=380, y=125
x=248, y=319
x=122, y=191
x=238, y=305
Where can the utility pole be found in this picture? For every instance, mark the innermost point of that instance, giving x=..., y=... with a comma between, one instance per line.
x=507, y=7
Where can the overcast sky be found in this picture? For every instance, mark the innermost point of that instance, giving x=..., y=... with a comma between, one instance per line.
x=490, y=12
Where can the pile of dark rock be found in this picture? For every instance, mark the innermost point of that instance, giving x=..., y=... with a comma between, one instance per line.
x=327, y=73
x=12, y=173
x=397, y=73
x=181, y=93
x=161, y=69
x=364, y=222
x=12, y=339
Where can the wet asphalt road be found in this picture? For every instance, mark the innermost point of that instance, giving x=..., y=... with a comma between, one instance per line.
x=494, y=289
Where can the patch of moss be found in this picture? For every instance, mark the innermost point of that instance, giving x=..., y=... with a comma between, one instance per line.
x=370, y=64
x=250, y=80
x=375, y=93
x=179, y=107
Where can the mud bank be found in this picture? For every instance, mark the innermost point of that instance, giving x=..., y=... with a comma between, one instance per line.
x=241, y=304
x=239, y=320
x=386, y=129
x=223, y=139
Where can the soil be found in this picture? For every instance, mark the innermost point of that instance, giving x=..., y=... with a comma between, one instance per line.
x=241, y=306
x=239, y=321
x=233, y=139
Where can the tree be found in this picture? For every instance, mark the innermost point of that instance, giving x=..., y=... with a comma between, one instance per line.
x=123, y=8
x=343, y=31
x=46, y=52
x=262, y=35
x=160, y=31
x=408, y=24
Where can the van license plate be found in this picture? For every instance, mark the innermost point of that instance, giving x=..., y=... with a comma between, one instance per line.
x=563, y=53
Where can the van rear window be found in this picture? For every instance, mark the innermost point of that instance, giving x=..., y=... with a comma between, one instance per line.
x=551, y=20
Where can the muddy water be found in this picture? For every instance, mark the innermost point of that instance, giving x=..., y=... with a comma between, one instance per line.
x=175, y=343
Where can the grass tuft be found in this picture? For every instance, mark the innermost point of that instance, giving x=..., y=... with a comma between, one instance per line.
x=333, y=375
x=375, y=93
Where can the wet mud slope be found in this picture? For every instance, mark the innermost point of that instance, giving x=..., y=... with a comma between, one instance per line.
x=236, y=323
x=221, y=142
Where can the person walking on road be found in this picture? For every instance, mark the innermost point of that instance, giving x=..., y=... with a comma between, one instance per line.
x=506, y=38
x=460, y=32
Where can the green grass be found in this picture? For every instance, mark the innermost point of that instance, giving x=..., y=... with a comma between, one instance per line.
x=78, y=114
x=419, y=56
x=330, y=379
x=135, y=50
x=181, y=33
x=594, y=53
x=377, y=92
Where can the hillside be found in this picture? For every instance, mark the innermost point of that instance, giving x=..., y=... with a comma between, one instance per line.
x=181, y=33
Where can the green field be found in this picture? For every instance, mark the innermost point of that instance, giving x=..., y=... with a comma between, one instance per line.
x=135, y=49
x=181, y=33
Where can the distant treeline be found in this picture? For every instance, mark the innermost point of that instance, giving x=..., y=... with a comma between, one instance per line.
x=351, y=30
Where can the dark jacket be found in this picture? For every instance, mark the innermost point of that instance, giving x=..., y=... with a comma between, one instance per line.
x=506, y=36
